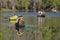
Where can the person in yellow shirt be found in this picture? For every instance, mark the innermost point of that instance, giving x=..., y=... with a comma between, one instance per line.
x=13, y=18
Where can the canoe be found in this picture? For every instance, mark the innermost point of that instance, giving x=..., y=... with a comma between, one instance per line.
x=41, y=15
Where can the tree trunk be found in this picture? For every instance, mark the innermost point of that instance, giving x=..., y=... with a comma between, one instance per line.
x=13, y=6
x=6, y=6
x=26, y=8
x=34, y=7
x=0, y=6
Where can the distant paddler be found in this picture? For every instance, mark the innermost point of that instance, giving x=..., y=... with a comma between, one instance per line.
x=13, y=18
x=41, y=13
x=54, y=10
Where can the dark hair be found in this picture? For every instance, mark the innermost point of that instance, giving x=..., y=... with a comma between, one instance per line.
x=20, y=16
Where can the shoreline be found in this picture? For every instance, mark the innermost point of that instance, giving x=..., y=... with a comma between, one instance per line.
x=9, y=10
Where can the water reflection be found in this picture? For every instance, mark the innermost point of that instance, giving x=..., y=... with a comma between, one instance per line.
x=38, y=28
x=30, y=20
x=41, y=20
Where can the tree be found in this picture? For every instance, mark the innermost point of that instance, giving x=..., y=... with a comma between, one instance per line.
x=25, y=3
x=0, y=5
x=13, y=5
x=50, y=2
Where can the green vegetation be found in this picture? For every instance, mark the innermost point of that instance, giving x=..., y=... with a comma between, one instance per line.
x=50, y=30
x=29, y=5
x=5, y=10
x=1, y=35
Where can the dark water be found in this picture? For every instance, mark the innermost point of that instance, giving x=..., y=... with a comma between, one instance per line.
x=40, y=28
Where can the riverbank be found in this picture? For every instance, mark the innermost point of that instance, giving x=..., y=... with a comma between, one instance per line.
x=6, y=10
x=10, y=10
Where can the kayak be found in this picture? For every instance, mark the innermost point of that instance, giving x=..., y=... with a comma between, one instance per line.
x=40, y=15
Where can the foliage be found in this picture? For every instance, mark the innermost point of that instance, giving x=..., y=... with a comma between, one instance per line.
x=25, y=4
x=1, y=35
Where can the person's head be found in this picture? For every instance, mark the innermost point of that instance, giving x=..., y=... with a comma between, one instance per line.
x=21, y=16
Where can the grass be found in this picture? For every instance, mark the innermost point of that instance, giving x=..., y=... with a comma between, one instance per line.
x=1, y=35
x=5, y=10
